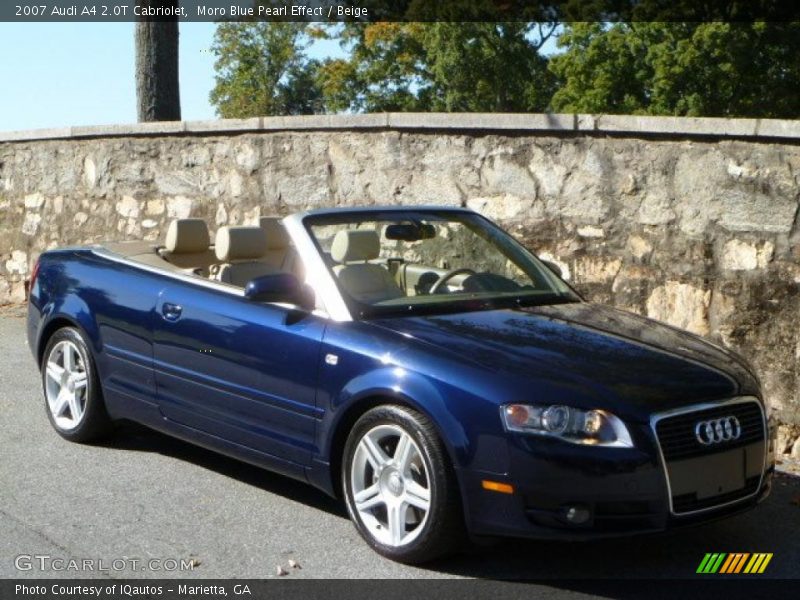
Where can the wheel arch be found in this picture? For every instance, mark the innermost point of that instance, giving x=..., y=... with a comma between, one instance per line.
x=53, y=324
x=72, y=312
x=358, y=406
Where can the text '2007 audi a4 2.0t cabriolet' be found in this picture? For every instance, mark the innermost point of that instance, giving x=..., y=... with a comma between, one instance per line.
x=419, y=362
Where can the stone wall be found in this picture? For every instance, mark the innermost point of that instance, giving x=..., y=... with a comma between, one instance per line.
x=691, y=221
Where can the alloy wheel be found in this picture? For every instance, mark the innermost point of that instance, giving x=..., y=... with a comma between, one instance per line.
x=66, y=385
x=391, y=485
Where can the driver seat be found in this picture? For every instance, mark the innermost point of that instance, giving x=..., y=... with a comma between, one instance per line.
x=365, y=281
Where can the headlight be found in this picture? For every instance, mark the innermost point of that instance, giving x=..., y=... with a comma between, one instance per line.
x=589, y=427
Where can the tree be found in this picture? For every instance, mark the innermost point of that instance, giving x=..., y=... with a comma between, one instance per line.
x=384, y=70
x=440, y=67
x=157, y=82
x=746, y=69
x=262, y=70
x=686, y=69
x=493, y=67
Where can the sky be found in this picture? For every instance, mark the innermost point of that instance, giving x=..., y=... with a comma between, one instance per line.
x=64, y=74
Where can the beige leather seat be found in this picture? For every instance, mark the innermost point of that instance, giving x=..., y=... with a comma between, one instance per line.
x=365, y=281
x=240, y=251
x=280, y=252
x=187, y=246
x=277, y=241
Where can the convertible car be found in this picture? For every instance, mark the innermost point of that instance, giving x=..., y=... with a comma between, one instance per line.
x=418, y=362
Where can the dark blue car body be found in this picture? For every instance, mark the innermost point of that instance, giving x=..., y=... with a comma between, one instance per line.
x=251, y=380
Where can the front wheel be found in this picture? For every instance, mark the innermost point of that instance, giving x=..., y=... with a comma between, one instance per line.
x=72, y=392
x=400, y=489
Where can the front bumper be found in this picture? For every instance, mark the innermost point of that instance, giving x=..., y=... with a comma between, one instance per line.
x=624, y=490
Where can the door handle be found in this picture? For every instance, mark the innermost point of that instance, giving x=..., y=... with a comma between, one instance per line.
x=171, y=312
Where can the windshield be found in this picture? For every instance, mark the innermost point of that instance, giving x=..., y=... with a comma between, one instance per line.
x=402, y=262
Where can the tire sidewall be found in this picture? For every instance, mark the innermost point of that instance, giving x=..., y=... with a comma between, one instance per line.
x=407, y=419
x=93, y=401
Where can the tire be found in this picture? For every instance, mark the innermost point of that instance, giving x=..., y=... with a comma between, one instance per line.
x=72, y=395
x=409, y=505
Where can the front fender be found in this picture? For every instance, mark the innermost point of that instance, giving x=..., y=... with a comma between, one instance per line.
x=411, y=389
x=468, y=425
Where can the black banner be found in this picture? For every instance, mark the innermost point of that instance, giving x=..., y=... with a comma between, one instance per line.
x=332, y=11
x=318, y=589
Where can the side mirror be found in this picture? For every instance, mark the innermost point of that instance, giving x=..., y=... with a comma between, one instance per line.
x=281, y=288
x=553, y=267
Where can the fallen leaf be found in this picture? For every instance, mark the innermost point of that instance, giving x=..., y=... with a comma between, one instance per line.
x=281, y=571
x=294, y=564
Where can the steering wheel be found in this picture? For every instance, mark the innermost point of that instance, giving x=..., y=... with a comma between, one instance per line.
x=447, y=277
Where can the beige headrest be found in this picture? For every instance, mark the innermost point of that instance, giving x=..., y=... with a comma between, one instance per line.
x=187, y=236
x=240, y=243
x=277, y=238
x=355, y=244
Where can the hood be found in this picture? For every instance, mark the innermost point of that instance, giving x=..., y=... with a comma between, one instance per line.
x=598, y=353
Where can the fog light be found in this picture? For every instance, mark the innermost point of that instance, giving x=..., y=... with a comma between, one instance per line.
x=577, y=515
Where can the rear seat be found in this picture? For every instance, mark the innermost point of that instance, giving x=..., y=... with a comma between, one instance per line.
x=187, y=246
x=241, y=252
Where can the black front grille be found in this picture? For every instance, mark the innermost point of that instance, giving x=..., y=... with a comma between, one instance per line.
x=677, y=434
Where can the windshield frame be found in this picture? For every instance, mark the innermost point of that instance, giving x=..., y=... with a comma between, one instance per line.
x=505, y=242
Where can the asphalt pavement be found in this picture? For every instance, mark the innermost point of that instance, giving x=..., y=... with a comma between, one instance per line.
x=142, y=496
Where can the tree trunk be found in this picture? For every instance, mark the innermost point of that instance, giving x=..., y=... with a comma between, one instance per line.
x=157, y=86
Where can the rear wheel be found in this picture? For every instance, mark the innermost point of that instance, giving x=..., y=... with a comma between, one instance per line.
x=72, y=393
x=399, y=487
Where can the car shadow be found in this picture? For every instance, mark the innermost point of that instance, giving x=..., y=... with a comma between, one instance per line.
x=134, y=437
x=575, y=566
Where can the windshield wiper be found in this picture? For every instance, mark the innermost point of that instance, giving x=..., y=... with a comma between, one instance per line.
x=466, y=305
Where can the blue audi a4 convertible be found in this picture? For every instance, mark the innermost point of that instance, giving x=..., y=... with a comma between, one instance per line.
x=418, y=362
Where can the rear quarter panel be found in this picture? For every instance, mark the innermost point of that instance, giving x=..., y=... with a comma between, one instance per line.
x=112, y=304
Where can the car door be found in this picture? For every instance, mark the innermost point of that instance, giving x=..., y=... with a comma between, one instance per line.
x=238, y=370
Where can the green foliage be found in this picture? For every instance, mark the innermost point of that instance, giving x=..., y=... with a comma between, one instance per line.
x=691, y=69
x=487, y=67
x=262, y=70
x=384, y=71
x=493, y=67
x=688, y=69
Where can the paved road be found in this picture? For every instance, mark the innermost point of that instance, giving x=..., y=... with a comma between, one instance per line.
x=143, y=495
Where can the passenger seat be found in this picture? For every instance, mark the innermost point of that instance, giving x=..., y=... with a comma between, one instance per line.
x=241, y=252
x=187, y=246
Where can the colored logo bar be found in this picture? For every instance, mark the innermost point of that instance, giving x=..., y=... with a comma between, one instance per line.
x=735, y=562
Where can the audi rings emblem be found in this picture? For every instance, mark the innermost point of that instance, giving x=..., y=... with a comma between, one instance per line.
x=716, y=431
